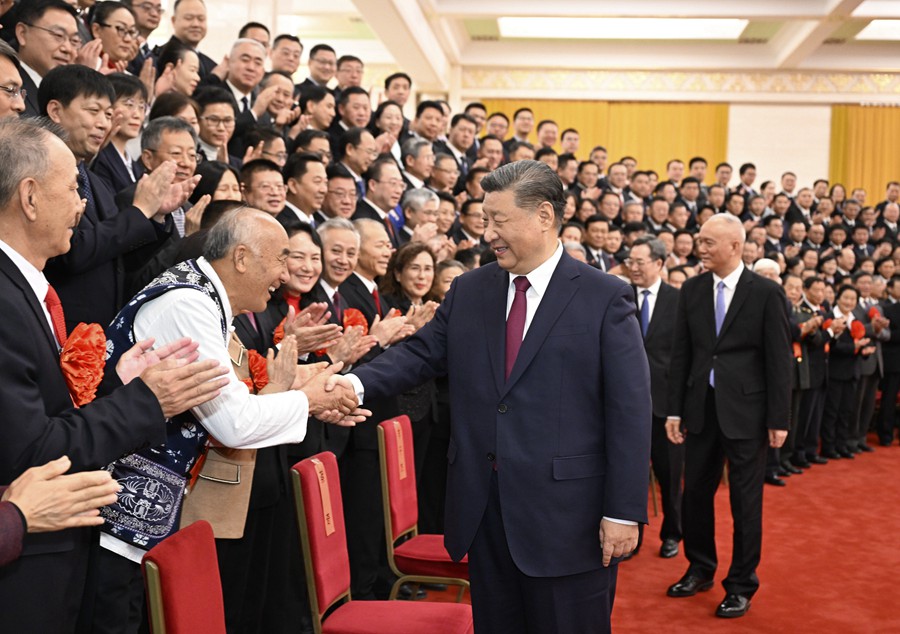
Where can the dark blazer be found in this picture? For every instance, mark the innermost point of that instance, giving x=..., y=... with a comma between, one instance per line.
x=40, y=424
x=110, y=238
x=751, y=357
x=891, y=348
x=843, y=362
x=813, y=346
x=12, y=531
x=365, y=210
x=658, y=344
x=795, y=215
x=607, y=260
x=569, y=432
x=108, y=166
x=31, y=95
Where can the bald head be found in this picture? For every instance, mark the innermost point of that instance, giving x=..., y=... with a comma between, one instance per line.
x=721, y=243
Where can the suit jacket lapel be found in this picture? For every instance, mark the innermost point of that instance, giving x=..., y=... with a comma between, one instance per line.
x=15, y=275
x=741, y=291
x=494, y=313
x=662, y=299
x=559, y=293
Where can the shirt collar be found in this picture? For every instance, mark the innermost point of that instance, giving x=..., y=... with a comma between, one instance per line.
x=369, y=284
x=731, y=279
x=31, y=73
x=539, y=278
x=328, y=288
x=416, y=183
x=32, y=275
x=210, y=272
x=355, y=176
x=301, y=215
x=653, y=288
x=381, y=212
x=211, y=151
x=838, y=314
x=238, y=95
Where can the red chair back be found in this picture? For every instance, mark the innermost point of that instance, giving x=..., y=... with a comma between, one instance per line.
x=400, y=465
x=183, y=584
x=320, y=513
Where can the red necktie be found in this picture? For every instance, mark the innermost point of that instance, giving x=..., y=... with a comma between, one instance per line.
x=338, y=310
x=54, y=307
x=515, y=323
x=377, y=301
x=390, y=227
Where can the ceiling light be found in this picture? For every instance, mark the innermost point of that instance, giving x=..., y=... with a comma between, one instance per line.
x=622, y=28
x=881, y=30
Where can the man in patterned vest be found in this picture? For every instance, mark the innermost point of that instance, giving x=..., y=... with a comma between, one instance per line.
x=245, y=257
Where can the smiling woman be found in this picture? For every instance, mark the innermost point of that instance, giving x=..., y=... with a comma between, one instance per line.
x=113, y=24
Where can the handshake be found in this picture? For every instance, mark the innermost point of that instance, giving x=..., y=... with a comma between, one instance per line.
x=331, y=397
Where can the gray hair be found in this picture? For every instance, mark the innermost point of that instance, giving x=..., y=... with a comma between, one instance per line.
x=234, y=228
x=766, y=264
x=733, y=221
x=246, y=40
x=9, y=53
x=532, y=182
x=152, y=135
x=657, y=247
x=23, y=146
x=412, y=147
x=364, y=225
x=417, y=198
x=575, y=246
x=336, y=224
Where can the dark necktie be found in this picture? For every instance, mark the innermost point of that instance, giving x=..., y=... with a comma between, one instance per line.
x=336, y=302
x=245, y=105
x=54, y=307
x=360, y=188
x=515, y=323
x=645, y=312
x=390, y=229
x=84, y=188
x=377, y=300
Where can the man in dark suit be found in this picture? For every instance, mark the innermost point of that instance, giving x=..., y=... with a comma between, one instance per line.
x=657, y=303
x=90, y=277
x=384, y=188
x=322, y=66
x=730, y=394
x=548, y=443
x=891, y=353
x=40, y=422
x=46, y=33
x=189, y=23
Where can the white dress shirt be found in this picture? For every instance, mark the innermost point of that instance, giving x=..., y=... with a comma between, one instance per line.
x=301, y=215
x=731, y=281
x=369, y=284
x=650, y=299
x=238, y=96
x=35, y=279
x=35, y=77
x=235, y=418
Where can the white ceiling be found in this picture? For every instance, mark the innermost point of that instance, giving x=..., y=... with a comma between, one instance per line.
x=438, y=40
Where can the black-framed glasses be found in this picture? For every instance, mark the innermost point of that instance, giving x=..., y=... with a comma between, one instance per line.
x=215, y=122
x=123, y=32
x=60, y=36
x=150, y=8
x=14, y=91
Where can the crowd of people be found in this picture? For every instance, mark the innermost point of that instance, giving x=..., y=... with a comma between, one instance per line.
x=381, y=213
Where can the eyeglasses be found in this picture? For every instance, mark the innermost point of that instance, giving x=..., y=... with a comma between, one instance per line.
x=60, y=36
x=638, y=263
x=14, y=91
x=395, y=183
x=281, y=156
x=449, y=171
x=131, y=104
x=324, y=62
x=190, y=157
x=125, y=33
x=268, y=188
x=215, y=122
x=150, y=8
x=343, y=193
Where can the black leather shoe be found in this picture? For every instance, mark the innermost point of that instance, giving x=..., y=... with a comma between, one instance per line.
x=774, y=480
x=781, y=472
x=787, y=466
x=854, y=449
x=846, y=454
x=831, y=455
x=819, y=460
x=866, y=448
x=733, y=606
x=669, y=548
x=405, y=593
x=800, y=462
x=689, y=585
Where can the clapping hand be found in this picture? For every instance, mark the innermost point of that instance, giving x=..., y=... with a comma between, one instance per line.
x=142, y=356
x=311, y=329
x=390, y=330
x=418, y=316
x=352, y=347
x=282, y=370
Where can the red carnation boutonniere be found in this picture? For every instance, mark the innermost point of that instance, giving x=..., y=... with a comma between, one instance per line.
x=352, y=317
x=874, y=313
x=278, y=335
x=259, y=374
x=857, y=330
x=82, y=361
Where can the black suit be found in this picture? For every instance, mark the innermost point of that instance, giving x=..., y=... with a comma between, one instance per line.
x=360, y=477
x=43, y=590
x=812, y=401
x=110, y=241
x=364, y=209
x=751, y=358
x=891, y=384
x=840, y=401
x=110, y=168
x=667, y=459
x=31, y=98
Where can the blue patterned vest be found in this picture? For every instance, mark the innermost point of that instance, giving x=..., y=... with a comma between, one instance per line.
x=153, y=480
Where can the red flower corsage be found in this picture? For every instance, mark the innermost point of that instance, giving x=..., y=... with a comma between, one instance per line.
x=82, y=360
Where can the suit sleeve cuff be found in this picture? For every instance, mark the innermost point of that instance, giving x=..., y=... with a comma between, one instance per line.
x=357, y=386
x=617, y=521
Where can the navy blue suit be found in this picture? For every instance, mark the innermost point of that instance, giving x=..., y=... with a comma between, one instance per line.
x=562, y=443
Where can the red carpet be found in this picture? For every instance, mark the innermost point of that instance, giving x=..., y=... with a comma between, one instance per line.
x=831, y=559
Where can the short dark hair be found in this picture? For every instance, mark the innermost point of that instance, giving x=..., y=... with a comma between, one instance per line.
x=428, y=105
x=532, y=182
x=211, y=173
x=319, y=48
x=298, y=164
x=584, y=164
x=394, y=77
x=462, y=116
x=287, y=37
x=211, y=95
x=377, y=166
x=250, y=168
x=595, y=219
x=306, y=137
x=172, y=53
x=170, y=104
x=343, y=59
x=31, y=12
x=313, y=94
x=498, y=114
x=545, y=151
x=745, y=167
x=66, y=83
x=567, y=131
x=728, y=165
x=102, y=11
x=348, y=92
x=336, y=170
x=477, y=105
x=687, y=180
x=696, y=159
x=521, y=110
x=125, y=85
x=464, y=210
x=546, y=122
x=351, y=136
x=253, y=25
